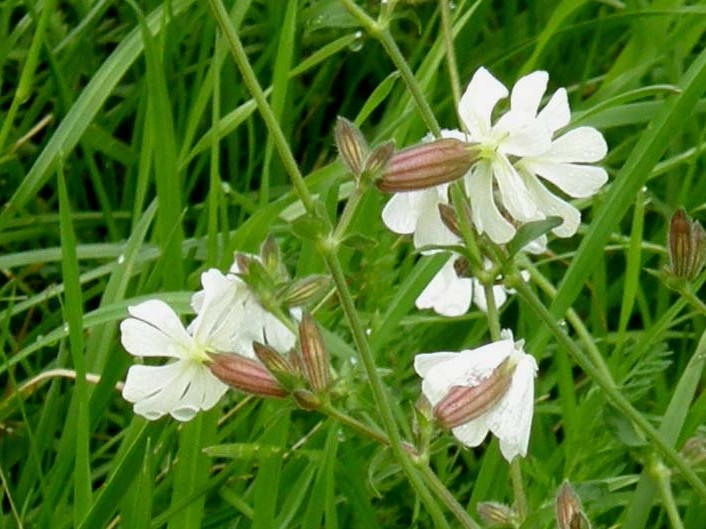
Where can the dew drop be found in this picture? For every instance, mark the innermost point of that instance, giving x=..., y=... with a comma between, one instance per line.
x=357, y=44
x=65, y=327
x=564, y=326
x=121, y=259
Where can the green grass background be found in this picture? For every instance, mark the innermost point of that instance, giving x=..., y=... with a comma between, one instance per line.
x=132, y=158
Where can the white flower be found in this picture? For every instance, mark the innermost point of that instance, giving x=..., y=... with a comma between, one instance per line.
x=518, y=148
x=450, y=295
x=184, y=386
x=510, y=417
x=260, y=325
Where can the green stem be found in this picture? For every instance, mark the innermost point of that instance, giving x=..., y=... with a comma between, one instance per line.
x=608, y=387
x=660, y=475
x=492, y=313
x=330, y=257
x=381, y=32
x=348, y=212
x=355, y=424
x=688, y=294
x=447, y=31
x=518, y=489
x=573, y=318
x=384, y=408
x=444, y=495
x=236, y=47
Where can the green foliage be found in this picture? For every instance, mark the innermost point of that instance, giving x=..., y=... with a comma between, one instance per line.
x=133, y=157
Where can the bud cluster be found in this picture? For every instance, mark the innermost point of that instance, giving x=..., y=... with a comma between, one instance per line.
x=305, y=374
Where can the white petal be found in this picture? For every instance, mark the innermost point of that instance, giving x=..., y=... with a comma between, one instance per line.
x=556, y=113
x=473, y=432
x=217, y=325
x=430, y=229
x=521, y=135
x=448, y=294
x=577, y=181
x=425, y=361
x=552, y=205
x=154, y=330
x=449, y=133
x=511, y=419
x=581, y=145
x=527, y=93
x=277, y=334
x=486, y=217
x=251, y=329
x=477, y=103
x=513, y=191
x=180, y=389
x=400, y=213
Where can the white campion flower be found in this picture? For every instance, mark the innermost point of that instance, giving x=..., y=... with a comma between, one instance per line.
x=449, y=294
x=184, y=386
x=519, y=148
x=508, y=415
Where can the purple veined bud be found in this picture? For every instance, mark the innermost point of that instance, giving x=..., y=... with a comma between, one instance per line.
x=427, y=165
x=305, y=290
x=245, y=374
x=687, y=246
x=464, y=403
x=314, y=355
x=496, y=514
x=694, y=451
x=569, y=514
x=278, y=365
x=377, y=160
x=351, y=145
x=243, y=262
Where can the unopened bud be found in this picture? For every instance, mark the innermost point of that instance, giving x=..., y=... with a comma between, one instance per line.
x=569, y=514
x=687, y=246
x=314, y=355
x=427, y=165
x=694, y=451
x=496, y=514
x=449, y=218
x=377, y=160
x=303, y=291
x=245, y=374
x=242, y=262
x=279, y=366
x=351, y=145
x=464, y=403
x=269, y=254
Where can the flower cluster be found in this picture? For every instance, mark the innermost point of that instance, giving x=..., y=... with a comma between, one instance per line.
x=228, y=320
x=513, y=157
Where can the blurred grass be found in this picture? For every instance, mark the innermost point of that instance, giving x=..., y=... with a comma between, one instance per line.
x=168, y=169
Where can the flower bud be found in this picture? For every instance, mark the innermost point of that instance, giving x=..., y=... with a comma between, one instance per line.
x=278, y=366
x=694, y=451
x=463, y=404
x=568, y=509
x=351, y=145
x=496, y=514
x=269, y=254
x=245, y=374
x=314, y=354
x=427, y=165
x=449, y=218
x=687, y=246
x=302, y=291
x=377, y=160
